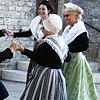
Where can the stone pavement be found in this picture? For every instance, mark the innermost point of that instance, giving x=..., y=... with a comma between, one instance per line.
x=15, y=89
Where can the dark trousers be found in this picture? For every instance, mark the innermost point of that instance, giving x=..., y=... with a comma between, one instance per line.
x=3, y=92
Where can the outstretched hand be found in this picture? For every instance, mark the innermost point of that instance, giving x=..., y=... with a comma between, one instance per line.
x=14, y=47
x=8, y=32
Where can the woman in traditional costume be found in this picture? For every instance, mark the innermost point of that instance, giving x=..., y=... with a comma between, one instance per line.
x=79, y=79
x=47, y=81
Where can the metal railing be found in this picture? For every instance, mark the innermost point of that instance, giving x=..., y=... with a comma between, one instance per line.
x=92, y=27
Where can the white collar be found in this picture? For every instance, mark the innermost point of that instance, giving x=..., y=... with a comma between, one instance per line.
x=34, y=25
x=76, y=30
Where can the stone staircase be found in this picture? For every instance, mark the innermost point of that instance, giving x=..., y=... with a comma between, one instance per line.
x=20, y=73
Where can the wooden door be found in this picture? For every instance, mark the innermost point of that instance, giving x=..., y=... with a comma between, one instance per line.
x=54, y=3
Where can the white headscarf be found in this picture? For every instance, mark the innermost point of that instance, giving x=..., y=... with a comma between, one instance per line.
x=70, y=34
x=53, y=23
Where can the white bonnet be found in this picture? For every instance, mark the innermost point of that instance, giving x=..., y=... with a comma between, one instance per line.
x=53, y=23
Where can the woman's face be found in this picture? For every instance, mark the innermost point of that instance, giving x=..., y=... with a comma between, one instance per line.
x=43, y=11
x=70, y=17
x=46, y=33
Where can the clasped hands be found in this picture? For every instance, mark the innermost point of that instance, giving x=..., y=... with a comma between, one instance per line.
x=14, y=47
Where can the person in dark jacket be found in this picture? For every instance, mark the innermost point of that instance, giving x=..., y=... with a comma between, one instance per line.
x=47, y=81
x=6, y=54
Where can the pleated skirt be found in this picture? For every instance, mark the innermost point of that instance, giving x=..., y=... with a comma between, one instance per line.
x=45, y=84
x=79, y=79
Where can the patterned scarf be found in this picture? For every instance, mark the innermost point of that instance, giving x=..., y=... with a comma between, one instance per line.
x=58, y=45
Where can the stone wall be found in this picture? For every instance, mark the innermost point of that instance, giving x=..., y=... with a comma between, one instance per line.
x=91, y=16
x=16, y=15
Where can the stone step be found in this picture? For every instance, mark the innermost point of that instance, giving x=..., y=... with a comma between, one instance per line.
x=23, y=65
x=14, y=75
x=96, y=76
x=93, y=66
x=20, y=74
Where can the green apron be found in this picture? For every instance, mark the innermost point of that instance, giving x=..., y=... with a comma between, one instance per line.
x=79, y=79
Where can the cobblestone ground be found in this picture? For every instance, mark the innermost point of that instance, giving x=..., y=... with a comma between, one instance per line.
x=97, y=85
x=15, y=89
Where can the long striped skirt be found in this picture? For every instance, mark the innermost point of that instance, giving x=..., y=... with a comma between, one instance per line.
x=45, y=84
x=79, y=79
